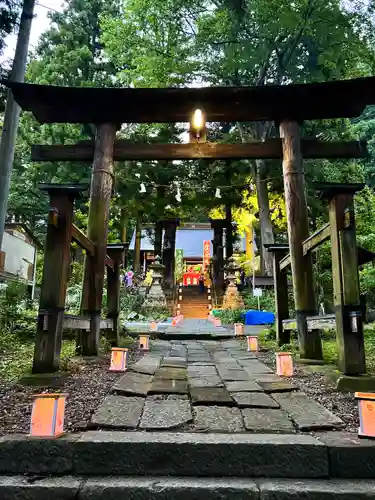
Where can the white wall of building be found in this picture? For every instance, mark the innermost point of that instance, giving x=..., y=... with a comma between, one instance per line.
x=19, y=255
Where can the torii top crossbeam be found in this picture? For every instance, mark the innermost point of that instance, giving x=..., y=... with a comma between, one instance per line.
x=53, y=104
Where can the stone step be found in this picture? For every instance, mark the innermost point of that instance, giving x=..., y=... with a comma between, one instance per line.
x=334, y=454
x=166, y=488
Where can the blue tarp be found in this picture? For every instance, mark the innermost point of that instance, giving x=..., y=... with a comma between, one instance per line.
x=254, y=317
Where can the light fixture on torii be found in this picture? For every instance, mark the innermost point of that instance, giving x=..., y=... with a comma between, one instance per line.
x=198, y=130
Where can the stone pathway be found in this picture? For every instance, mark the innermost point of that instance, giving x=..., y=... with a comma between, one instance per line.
x=208, y=386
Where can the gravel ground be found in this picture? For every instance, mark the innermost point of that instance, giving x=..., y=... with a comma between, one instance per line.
x=86, y=388
x=342, y=404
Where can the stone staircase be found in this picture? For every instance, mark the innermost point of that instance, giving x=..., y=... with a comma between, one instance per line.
x=193, y=303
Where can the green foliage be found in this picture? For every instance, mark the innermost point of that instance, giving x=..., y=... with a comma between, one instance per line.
x=230, y=316
x=266, y=301
x=131, y=301
x=14, y=306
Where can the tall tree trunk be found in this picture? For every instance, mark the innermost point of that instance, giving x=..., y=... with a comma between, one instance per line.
x=266, y=230
x=12, y=111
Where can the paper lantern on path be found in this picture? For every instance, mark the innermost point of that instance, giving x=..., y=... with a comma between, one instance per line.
x=284, y=364
x=47, y=417
x=238, y=329
x=366, y=409
x=144, y=341
x=252, y=343
x=119, y=357
x=153, y=326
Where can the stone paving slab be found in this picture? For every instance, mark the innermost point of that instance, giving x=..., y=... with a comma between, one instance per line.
x=175, y=362
x=254, y=367
x=211, y=396
x=148, y=364
x=201, y=371
x=168, y=386
x=277, y=386
x=169, y=413
x=171, y=373
x=208, y=381
x=118, y=412
x=254, y=400
x=201, y=363
x=198, y=358
x=229, y=374
x=266, y=420
x=306, y=413
x=243, y=386
x=217, y=419
x=133, y=383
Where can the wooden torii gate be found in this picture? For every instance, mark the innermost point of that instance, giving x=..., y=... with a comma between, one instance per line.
x=108, y=108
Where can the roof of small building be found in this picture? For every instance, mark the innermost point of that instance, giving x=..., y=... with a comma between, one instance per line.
x=189, y=238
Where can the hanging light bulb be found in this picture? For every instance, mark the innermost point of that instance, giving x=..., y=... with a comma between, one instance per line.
x=143, y=188
x=198, y=124
x=198, y=120
x=217, y=193
x=178, y=195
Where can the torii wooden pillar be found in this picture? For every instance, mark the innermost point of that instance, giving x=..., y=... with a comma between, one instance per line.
x=55, y=277
x=310, y=345
x=346, y=290
x=100, y=199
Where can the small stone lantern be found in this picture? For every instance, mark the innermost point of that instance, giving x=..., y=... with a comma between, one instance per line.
x=232, y=297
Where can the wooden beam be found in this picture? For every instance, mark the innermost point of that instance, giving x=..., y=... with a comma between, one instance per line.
x=269, y=149
x=285, y=262
x=313, y=323
x=72, y=322
x=82, y=240
x=109, y=262
x=320, y=236
x=55, y=104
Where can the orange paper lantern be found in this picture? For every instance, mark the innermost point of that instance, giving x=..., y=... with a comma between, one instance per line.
x=284, y=364
x=238, y=329
x=119, y=357
x=252, y=343
x=366, y=408
x=144, y=341
x=153, y=326
x=47, y=417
